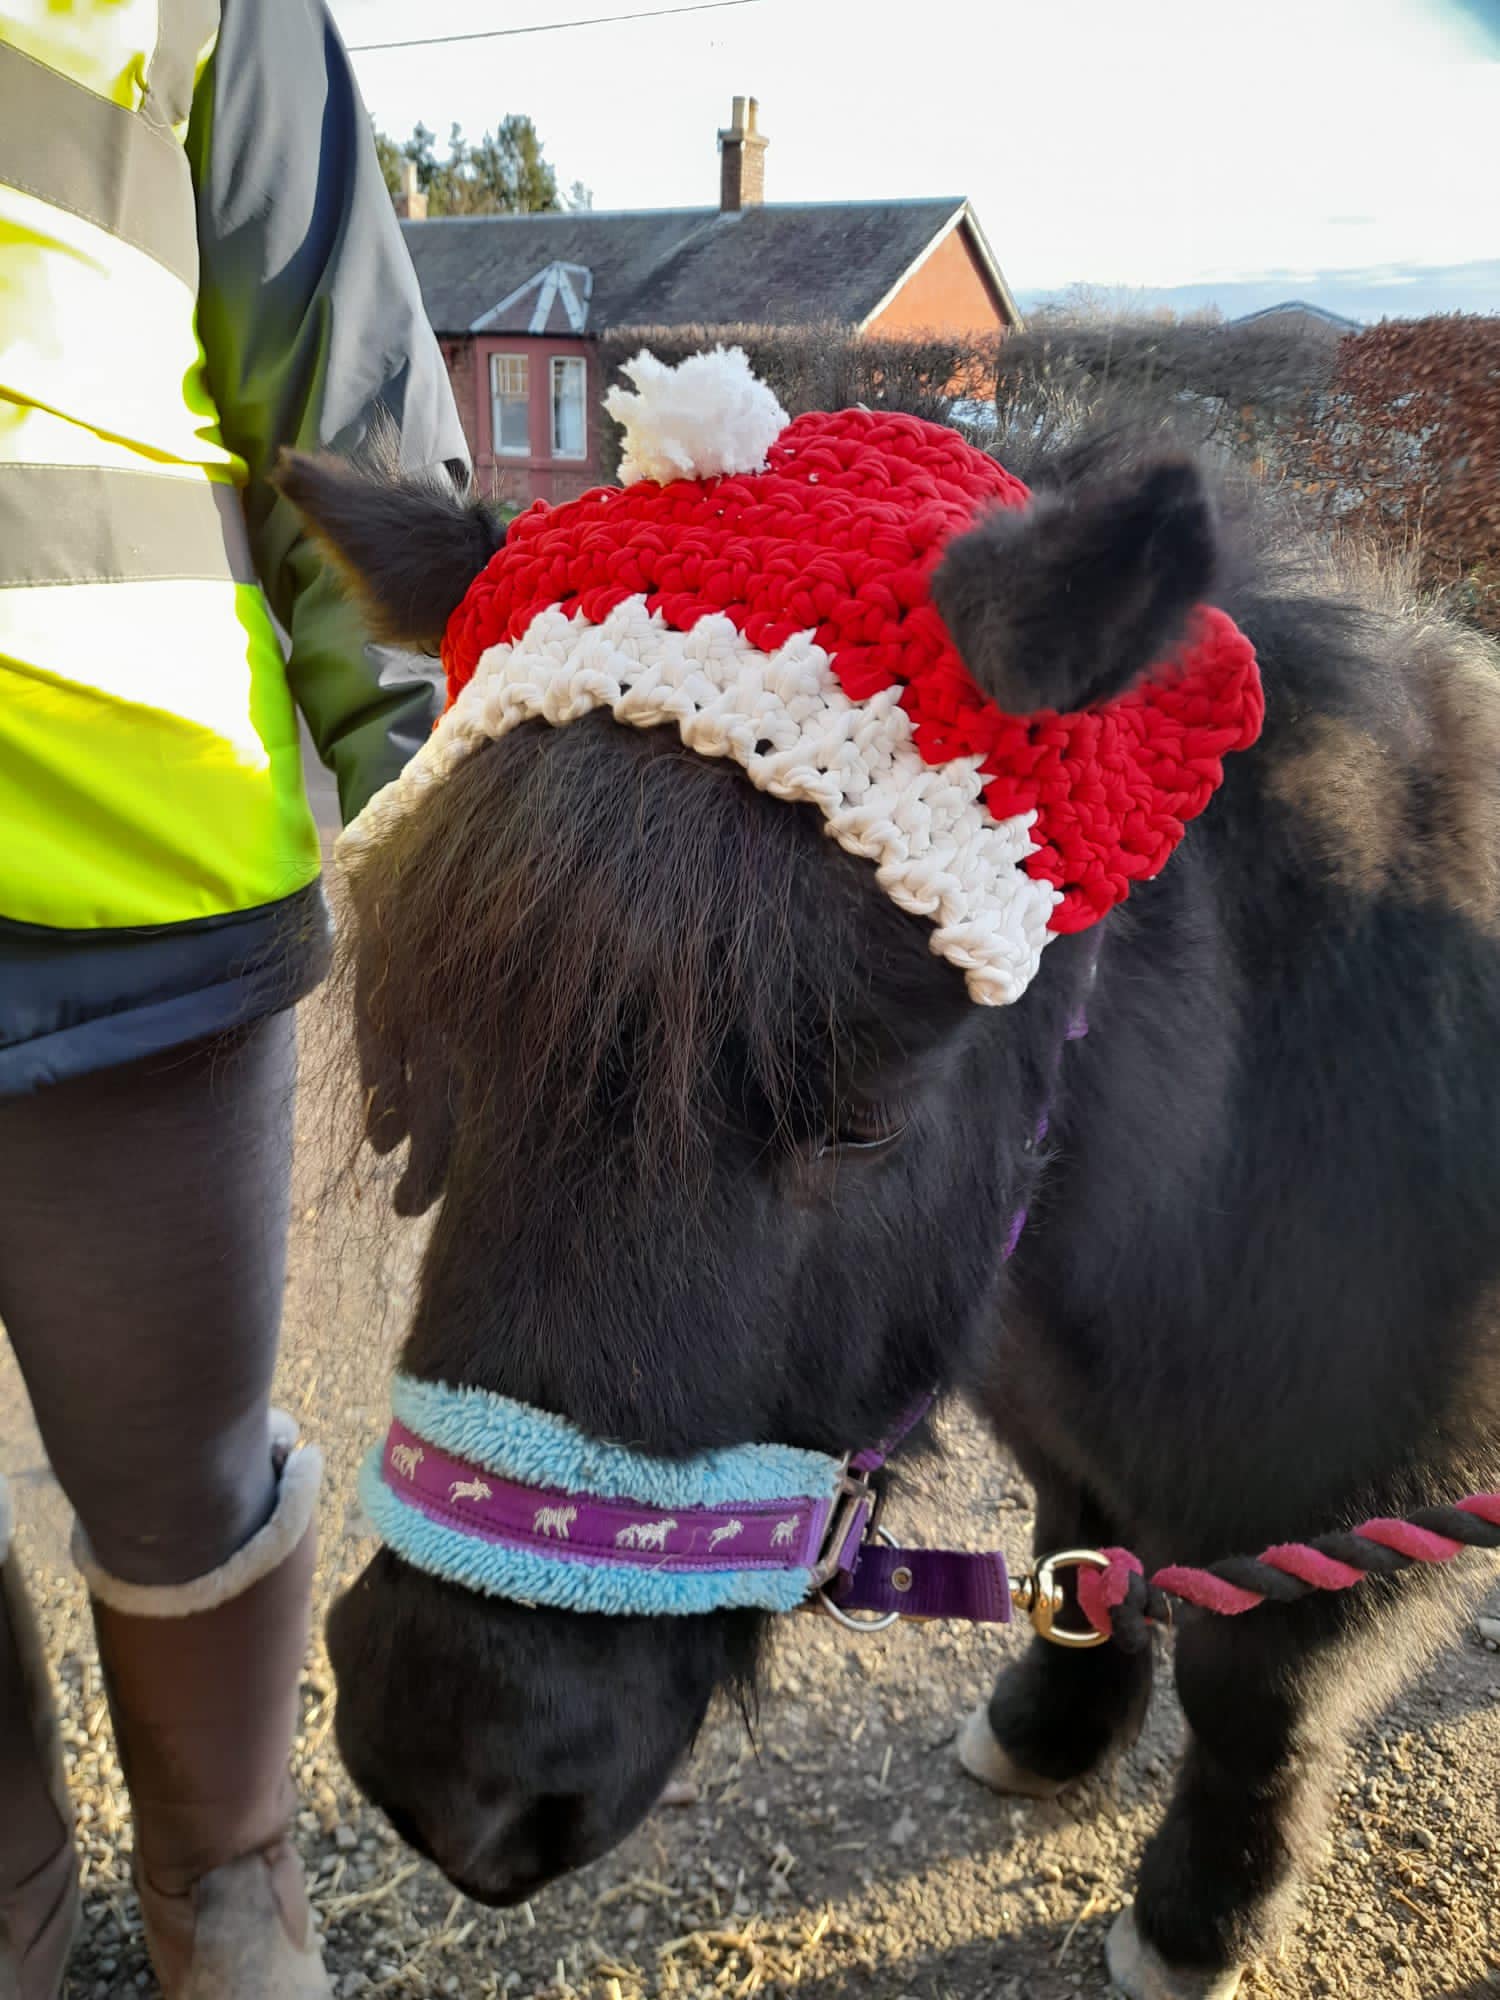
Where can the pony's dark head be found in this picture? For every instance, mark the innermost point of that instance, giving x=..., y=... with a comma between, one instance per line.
x=724, y=1153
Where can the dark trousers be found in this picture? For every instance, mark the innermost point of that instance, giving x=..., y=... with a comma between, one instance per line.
x=143, y=1227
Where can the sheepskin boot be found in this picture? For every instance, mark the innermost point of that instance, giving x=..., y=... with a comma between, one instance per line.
x=38, y=1865
x=202, y=1679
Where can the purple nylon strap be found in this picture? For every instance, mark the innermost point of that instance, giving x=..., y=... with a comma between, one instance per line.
x=865, y=1462
x=881, y=1579
x=928, y=1583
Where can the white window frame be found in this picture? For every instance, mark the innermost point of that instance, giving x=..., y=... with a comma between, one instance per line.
x=578, y=362
x=499, y=397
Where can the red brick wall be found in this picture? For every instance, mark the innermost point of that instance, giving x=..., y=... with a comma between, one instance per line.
x=459, y=355
x=538, y=476
x=949, y=293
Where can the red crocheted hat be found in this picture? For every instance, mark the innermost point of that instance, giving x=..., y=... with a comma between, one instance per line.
x=763, y=587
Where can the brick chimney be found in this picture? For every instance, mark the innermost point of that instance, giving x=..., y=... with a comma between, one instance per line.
x=411, y=203
x=742, y=160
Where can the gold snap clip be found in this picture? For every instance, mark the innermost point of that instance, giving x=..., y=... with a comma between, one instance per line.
x=1041, y=1597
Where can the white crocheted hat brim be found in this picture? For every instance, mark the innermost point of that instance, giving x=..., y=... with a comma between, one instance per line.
x=786, y=721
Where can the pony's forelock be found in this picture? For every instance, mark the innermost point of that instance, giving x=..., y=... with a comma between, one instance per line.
x=588, y=935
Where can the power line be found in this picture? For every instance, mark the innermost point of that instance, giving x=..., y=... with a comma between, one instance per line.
x=549, y=27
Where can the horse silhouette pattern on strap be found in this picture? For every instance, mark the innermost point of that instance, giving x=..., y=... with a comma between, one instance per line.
x=644, y=1535
x=580, y=1527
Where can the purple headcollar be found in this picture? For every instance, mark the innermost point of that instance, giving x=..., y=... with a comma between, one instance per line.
x=516, y=1503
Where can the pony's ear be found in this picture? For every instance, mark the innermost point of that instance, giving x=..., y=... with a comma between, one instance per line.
x=408, y=549
x=1070, y=599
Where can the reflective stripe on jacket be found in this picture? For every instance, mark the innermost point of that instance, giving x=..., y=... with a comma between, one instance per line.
x=149, y=763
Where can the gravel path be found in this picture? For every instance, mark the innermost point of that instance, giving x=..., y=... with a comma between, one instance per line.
x=844, y=1854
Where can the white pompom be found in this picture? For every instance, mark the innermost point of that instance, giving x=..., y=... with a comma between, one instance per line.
x=707, y=416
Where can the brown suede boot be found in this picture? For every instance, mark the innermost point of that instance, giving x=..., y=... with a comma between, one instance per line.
x=38, y=1865
x=202, y=1680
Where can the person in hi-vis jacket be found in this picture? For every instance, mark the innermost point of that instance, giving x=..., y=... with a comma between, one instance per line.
x=199, y=265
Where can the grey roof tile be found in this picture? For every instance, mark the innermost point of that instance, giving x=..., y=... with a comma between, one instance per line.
x=780, y=264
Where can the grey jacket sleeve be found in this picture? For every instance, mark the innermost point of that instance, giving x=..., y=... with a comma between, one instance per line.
x=312, y=324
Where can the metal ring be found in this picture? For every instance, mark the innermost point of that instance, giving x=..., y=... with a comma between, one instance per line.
x=881, y=1622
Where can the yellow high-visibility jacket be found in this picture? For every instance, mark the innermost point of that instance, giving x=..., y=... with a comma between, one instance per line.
x=199, y=264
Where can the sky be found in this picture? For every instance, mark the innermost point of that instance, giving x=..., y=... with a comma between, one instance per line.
x=1241, y=151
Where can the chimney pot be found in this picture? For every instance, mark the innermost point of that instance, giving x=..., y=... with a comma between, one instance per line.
x=411, y=203
x=742, y=159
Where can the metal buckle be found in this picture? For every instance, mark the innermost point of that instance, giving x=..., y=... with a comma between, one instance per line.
x=852, y=1497
x=856, y=1498
x=1039, y=1595
x=878, y=1621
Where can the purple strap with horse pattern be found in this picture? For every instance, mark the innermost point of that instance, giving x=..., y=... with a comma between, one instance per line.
x=776, y=1534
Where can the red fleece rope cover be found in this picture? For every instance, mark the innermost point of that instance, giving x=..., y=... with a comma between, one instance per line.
x=1121, y=1602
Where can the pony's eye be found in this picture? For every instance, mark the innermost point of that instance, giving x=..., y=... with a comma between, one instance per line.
x=867, y=1128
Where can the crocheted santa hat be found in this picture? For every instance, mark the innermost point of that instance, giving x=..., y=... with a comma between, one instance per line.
x=762, y=586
